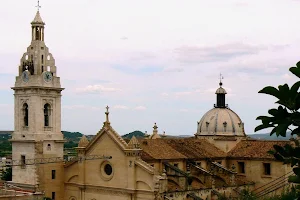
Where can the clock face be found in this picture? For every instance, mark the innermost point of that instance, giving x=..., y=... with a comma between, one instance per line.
x=25, y=76
x=47, y=76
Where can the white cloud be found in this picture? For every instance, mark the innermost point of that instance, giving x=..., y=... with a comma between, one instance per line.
x=97, y=89
x=121, y=107
x=140, y=108
x=164, y=94
x=286, y=76
x=85, y=107
x=184, y=93
x=271, y=70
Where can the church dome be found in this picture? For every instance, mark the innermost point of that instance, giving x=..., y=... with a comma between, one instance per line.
x=221, y=120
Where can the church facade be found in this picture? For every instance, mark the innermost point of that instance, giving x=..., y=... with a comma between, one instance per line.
x=219, y=160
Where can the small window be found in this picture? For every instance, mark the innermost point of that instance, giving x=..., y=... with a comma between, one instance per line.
x=241, y=167
x=225, y=125
x=176, y=165
x=220, y=162
x=42, y=58
x=53, y=173
x=23, y=161
x=198, y=163
x=53, y=195
x=267, y=169
x=152, y=165
x=25, y=110
x=108, y=169
x=46, y=114
x=49, y=147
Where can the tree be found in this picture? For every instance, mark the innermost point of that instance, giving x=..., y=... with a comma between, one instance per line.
x=285, y=118
x=7, y=174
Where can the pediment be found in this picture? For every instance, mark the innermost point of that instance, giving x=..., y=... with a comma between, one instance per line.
x=110, y=132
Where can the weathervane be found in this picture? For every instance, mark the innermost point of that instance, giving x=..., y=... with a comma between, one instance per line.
x=38, y=5
x=221, y=77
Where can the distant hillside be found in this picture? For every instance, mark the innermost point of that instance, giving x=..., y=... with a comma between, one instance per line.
x=137, y=134
x=72, y=139
x=266, y=136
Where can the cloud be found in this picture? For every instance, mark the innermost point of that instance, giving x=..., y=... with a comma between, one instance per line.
x=120, y=107
x=97, y=89
x=271, y=70
x=85, y=107
x=124, y=38
x=164, y=94
x=171, y=69
x=184, y=93
x=286, y=76
x=140, y=108
x=196, y=54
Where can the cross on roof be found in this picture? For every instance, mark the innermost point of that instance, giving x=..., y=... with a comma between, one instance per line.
x=38, y=5
x=107, y=113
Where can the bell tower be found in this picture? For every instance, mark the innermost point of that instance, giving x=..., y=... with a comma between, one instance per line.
x=37, y=117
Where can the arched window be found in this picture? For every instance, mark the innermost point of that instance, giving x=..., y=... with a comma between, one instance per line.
x=37, y=33
x=25, y=111
x=42, y=59
x=42, y=68
x=46, y=114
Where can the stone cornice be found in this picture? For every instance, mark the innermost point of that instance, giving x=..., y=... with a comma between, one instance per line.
x=37, y=87
x=23, y=141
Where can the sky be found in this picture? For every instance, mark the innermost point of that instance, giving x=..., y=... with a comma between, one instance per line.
x=154, y=61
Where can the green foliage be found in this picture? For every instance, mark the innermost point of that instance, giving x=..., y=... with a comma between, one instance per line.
x=285, y=118
x=246, y=194
x=71, y=135
x=287, y=194
x=7, y=174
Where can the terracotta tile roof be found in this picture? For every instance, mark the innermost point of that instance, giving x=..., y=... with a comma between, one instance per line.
x=194, y=148
x=159, y=149
x=186, y=148
x=146, y=156
x=254, y=149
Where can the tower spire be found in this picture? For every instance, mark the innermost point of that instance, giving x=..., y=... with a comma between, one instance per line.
x=37, y=25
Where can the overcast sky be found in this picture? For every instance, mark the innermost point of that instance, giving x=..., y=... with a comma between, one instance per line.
x=154, y=61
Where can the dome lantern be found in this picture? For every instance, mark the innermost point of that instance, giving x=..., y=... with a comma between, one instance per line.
x=221, y=92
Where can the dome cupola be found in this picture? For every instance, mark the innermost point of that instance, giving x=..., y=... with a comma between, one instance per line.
x=221, y=120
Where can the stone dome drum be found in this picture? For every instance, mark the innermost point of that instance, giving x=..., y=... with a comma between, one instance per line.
x=221, y=120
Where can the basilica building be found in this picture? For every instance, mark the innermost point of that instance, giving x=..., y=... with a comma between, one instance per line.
x=218, y=160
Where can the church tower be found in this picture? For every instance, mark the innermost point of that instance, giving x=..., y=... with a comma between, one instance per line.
x=37, y=123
